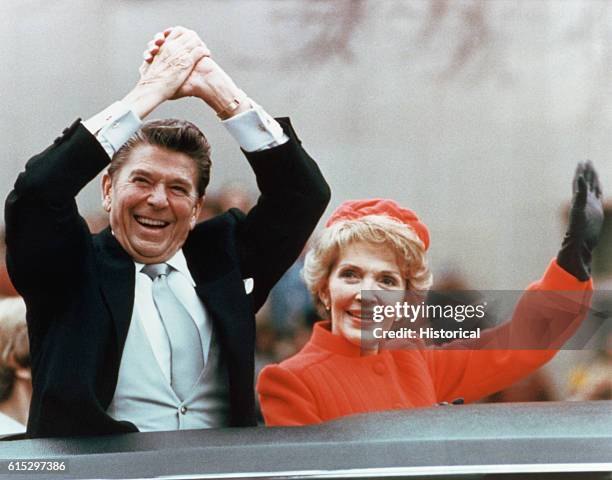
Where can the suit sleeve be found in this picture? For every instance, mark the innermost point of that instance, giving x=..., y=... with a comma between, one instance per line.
x=547, y=315
x=46, y=237
x=285, y=400
x=293, y=196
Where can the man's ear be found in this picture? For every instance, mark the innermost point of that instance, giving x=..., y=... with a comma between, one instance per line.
x=107, y=190
x=24, y=373
x=197, y=209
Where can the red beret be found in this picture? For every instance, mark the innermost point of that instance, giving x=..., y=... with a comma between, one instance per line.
x=352, y=209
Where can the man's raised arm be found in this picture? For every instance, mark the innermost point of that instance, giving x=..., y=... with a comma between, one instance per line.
x=45, y=235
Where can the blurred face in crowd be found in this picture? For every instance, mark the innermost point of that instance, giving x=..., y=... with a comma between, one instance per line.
x=153, y=202
x=361, y=266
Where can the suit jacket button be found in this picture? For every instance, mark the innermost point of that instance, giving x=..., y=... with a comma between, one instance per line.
x=183, y=410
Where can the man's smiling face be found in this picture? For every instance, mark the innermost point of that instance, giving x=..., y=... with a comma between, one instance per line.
x=153, y=202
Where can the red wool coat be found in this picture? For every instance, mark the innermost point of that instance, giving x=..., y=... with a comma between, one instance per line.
x=330, y=378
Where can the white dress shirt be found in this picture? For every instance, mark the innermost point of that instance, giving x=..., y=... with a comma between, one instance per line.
x=9, y=425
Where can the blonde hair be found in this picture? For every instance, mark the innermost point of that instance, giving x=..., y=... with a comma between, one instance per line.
x=13, y=342
x=375, y=229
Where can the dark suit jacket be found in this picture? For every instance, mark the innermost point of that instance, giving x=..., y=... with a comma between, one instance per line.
x=79, y=288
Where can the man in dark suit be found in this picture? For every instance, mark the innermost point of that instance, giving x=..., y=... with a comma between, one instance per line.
x=149, y=325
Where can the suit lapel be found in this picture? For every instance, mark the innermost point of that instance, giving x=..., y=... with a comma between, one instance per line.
x=117, y=282
x=234, y=323
x=226, y=302
x=220, y=287
x=215, y=270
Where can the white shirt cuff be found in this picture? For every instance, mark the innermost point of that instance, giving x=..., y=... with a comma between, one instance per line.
x=113, y=126
x=255, y=129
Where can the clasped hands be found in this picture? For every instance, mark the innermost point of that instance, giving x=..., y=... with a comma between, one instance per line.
x=177, y=64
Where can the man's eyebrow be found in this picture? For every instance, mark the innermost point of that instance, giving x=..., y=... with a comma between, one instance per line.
x=145, y=173
x=140, y=172
x=180, y=180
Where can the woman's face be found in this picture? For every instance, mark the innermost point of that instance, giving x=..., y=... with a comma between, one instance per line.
x=360, y=266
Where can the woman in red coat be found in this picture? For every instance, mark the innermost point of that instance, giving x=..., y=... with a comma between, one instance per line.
x=345, y=368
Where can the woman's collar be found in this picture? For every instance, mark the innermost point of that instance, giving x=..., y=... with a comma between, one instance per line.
x=322, y=337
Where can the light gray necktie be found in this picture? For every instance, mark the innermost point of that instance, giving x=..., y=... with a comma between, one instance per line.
x=186, y=357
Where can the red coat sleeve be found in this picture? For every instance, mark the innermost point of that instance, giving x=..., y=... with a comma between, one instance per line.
x=546, y=316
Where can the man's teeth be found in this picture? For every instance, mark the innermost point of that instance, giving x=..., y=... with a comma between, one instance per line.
x=151, y=222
